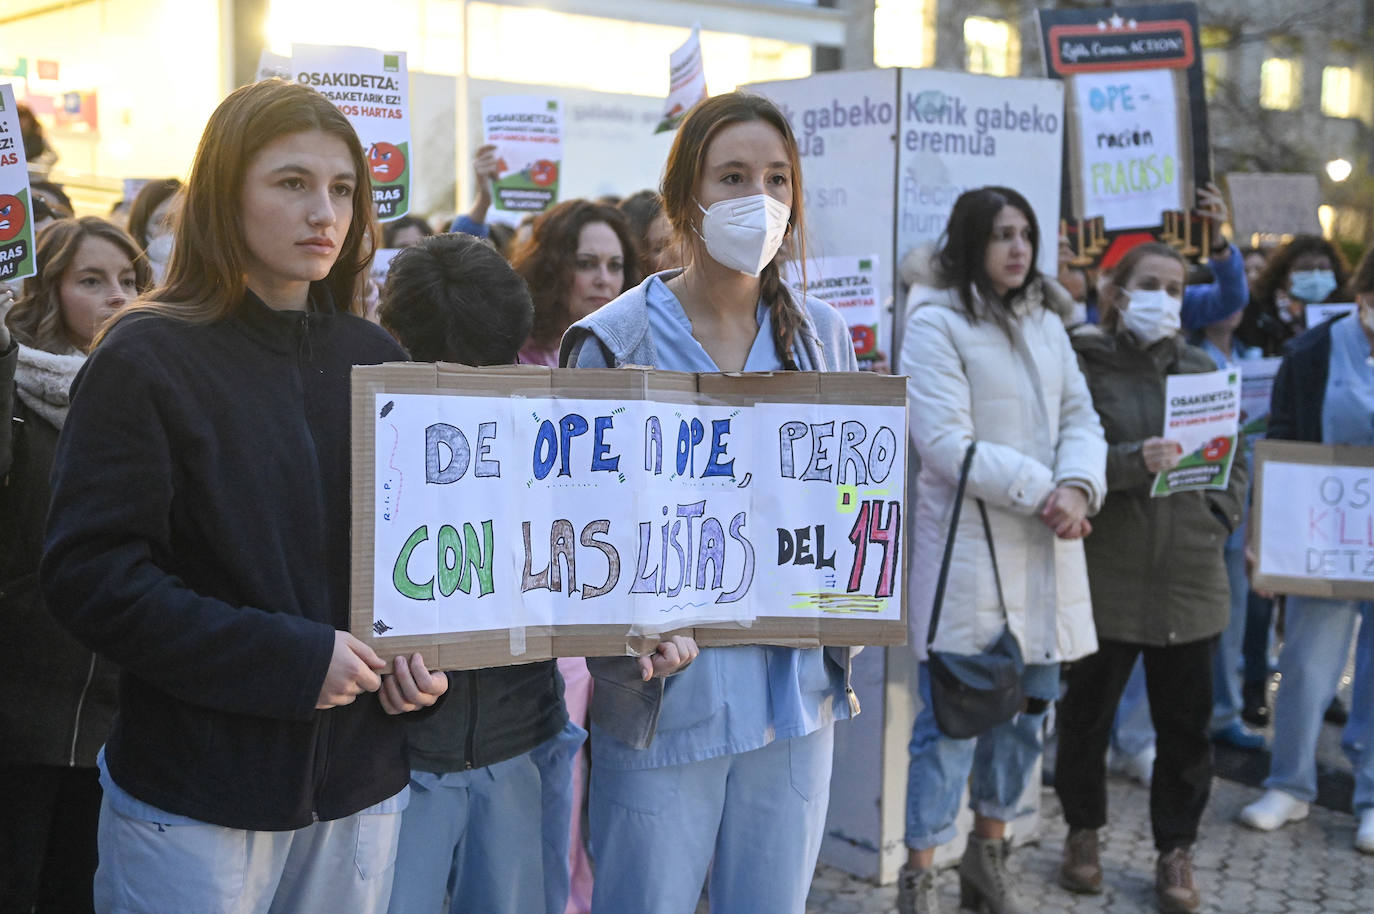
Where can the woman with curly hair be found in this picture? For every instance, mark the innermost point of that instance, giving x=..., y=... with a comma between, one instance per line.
x=579, y=257
x=60, y=698
x=1305, y=271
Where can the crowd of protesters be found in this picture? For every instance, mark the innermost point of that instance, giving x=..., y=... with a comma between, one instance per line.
x=193, y=728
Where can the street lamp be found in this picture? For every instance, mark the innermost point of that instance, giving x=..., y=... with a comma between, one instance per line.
x=1339, y=169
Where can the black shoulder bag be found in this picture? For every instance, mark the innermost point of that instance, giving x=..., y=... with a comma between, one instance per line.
x=972, y=693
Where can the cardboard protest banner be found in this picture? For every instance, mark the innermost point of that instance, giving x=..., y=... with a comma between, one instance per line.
x=885, y=153
x=1321, y=313
x=960, y=131
x=1256, y=391
x=1313, y=520
x=849, y=284
x=527, y=131
x=506, y=515
x=1202, y=414
x=686, y=82
x=372, y=89
x=1273, y=205
x=16, y=220
x=1137, y=143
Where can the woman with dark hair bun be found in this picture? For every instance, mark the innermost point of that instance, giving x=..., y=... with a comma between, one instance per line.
x=989, y=364
x=580, y=255
x=1160, y=588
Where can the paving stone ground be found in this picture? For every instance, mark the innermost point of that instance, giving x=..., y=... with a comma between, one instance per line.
x=1308, y=867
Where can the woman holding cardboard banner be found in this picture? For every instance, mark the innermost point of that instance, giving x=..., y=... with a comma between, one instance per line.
x=199, y=538
x=1324, y=393
x=1159, y=583
x=59, y=697
x=725, y=767
x=989, y=363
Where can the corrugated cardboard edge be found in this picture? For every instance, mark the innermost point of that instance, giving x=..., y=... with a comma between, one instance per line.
x=1311, y=455
x=470, y=650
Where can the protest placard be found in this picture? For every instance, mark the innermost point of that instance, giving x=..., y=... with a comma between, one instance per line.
x=1256, y=390
x=527, y=131
x=273, y=66
x=1136, y=114
x=1273, y=204
x=845, y=124
x=512, y=514
x=686, y=82
x=960, y=131
x=1201, y=414
x=1321, y=313
x=372, y=89
x=1313, y=520
x=849, y=284
x=16, y=214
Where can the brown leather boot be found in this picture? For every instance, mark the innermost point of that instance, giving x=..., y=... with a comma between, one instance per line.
x=1081, y=870
x=1174, y=883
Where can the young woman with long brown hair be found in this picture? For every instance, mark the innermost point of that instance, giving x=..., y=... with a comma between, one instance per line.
x=198, y=538
x=725, y=766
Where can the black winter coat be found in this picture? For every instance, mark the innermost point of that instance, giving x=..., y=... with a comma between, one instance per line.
x=199, y=538
x=59, y=697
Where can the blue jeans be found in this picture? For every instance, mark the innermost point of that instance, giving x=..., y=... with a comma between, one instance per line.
x=1001, y=761
x=1226, y=697
x=475, y=835
x=753, y=819
x=1359, y=730
x=1316, y=643
x=554, y=758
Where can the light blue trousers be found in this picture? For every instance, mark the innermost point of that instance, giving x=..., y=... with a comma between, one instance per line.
x=1000, y=761
x=754, y=818
x=324, y=868
x=1316, y=644
x=1226, y=697
x=475, y=835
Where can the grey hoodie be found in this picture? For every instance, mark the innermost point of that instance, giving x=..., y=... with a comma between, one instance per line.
x=615, y=336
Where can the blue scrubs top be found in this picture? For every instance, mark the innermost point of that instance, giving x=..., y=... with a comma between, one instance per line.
x=731, y=699
x=1348, y=409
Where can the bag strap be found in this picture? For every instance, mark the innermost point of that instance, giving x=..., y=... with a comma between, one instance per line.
x=949, y=549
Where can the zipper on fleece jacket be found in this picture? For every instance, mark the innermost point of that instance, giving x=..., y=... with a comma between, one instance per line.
x=470, y=747
x=80, y=704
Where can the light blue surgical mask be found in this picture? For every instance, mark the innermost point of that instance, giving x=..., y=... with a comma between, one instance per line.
x=1311, y=285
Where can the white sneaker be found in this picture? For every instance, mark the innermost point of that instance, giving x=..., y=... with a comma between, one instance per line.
x=1139, y=767
x=1274, y=810
x=1364, y=838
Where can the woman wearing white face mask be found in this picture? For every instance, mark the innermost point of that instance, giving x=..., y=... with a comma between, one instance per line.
x=152, y=221
x=1159, y=584
x=727, y=765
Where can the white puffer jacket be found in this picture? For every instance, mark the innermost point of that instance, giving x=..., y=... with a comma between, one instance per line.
x=1028, y=407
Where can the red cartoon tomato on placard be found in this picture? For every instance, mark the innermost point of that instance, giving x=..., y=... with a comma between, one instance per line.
x=543, y=173
x=12, y=217
x=865, y=340
x=1216, y=450
x=386, y=162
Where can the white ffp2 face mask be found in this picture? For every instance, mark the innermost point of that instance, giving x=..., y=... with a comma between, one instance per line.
x=1152, y=315
x=744, y=233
